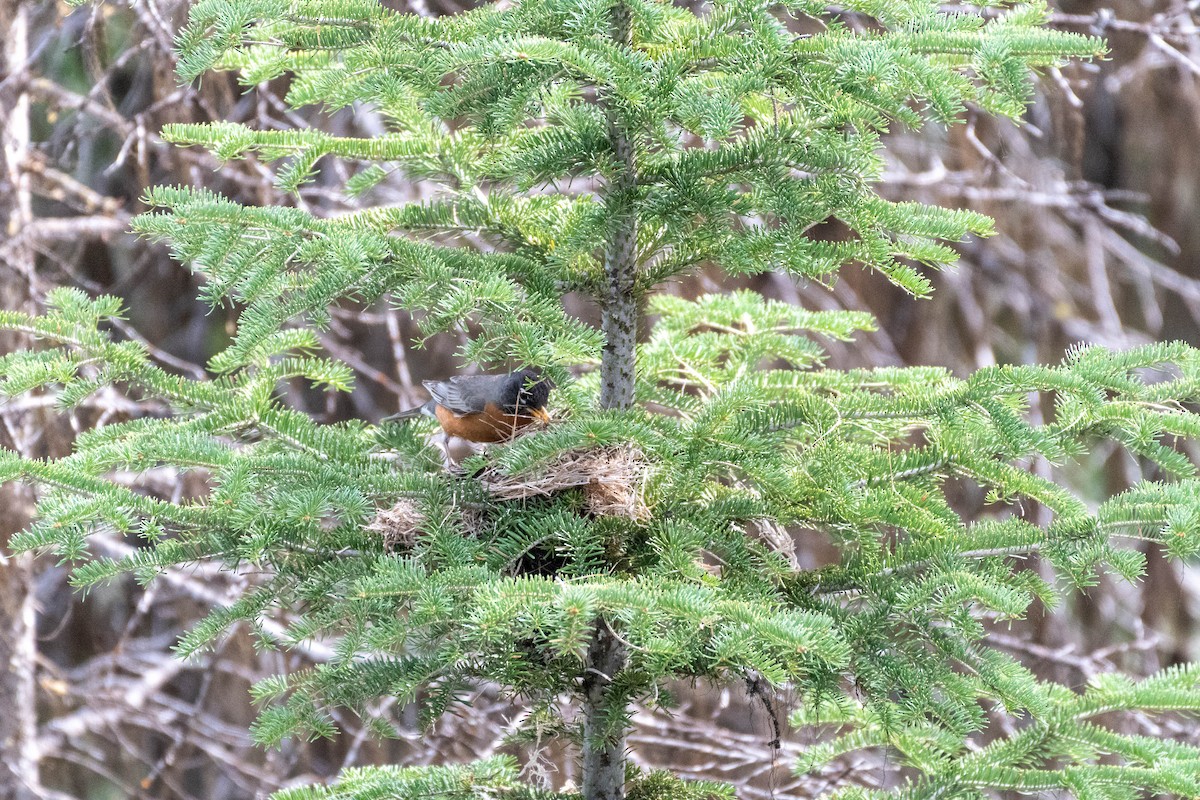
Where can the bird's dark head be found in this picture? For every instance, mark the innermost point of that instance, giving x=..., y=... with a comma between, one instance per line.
x=529, y=392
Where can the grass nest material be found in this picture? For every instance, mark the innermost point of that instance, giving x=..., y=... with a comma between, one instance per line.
x=613, y=480
x=399, y=526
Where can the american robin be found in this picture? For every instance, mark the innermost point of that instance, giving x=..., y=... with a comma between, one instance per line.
x=485, y=408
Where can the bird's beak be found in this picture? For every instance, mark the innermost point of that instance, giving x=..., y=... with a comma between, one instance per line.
x=541, y=415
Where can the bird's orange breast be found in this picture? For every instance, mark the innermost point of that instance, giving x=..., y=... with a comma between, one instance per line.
x=493, y=424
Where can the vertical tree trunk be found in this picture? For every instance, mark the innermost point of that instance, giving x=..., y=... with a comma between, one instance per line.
x=18, y=721
x=619, y=304
x=604, y=736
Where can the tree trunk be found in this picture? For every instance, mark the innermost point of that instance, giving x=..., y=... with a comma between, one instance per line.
x=604, y=736
x=619, y=303
x=18, y=720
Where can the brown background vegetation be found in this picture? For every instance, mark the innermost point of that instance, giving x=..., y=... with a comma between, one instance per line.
x=1096, y=199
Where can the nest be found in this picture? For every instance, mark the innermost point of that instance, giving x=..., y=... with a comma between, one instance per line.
x=613, y=480
x=399, y=526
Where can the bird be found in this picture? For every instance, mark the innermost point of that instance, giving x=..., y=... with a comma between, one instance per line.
x=485, y=408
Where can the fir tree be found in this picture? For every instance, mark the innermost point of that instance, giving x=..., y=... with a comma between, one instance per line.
x=605, y=147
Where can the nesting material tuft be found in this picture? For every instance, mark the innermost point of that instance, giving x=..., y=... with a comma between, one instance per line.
x=474, y=519
x=613, y=480
x=399, y=526
x=776, y=537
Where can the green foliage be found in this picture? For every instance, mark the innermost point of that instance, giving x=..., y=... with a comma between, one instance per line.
x=747, y=135
x=490, y=779
x=1060, y=748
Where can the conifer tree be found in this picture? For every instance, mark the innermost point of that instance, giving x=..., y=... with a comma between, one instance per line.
x=606, y=147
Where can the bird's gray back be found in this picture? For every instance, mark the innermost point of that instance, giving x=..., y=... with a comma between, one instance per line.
x=466, y=394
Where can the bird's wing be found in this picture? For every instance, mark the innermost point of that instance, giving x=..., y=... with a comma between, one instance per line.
x=466, y=394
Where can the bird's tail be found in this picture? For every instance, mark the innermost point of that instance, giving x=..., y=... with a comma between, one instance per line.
x=426, y=409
